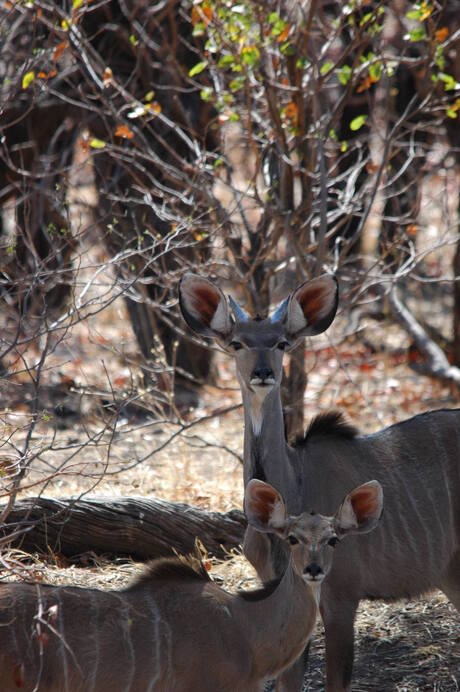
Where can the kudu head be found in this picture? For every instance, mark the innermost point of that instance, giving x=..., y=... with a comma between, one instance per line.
x=311, y=537
x=258, y=344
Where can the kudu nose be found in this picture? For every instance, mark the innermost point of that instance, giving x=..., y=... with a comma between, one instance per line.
x=313, y=570
x=262, y=374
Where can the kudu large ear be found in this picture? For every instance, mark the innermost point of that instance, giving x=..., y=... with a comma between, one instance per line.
x=361, y=509
x=264, y=507
x=312, y=307
x=204, y=307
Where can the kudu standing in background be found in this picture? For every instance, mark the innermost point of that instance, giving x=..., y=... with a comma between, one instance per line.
x=175, y=630
x=417, y=546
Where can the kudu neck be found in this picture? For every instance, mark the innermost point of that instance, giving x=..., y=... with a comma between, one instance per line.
x=264, y=438
x=280, y=624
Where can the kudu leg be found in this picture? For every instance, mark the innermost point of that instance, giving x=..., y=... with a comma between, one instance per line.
x=292, y=678
x=450, y=584
x=338, y=618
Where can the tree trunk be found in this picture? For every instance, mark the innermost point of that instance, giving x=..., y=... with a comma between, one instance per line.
x=139, y=527
x=456, y=266
x=293, y=389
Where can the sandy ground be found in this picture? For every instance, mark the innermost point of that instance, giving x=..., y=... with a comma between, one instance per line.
x=402, y=646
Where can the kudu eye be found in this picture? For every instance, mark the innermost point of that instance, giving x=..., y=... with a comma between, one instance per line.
x=236, y=345
x=333, y=541
x=282, y=345
x=293, y=540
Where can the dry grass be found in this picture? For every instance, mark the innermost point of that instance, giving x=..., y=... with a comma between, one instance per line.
x=400, y=647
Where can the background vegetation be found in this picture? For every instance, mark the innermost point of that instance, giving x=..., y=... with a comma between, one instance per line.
x=257, y=143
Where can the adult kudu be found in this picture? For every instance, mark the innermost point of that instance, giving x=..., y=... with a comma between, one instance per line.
x=417, y=545
x=174, y=630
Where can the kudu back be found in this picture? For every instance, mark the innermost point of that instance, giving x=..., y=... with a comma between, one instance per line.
x=174, y=630
x=417, y=545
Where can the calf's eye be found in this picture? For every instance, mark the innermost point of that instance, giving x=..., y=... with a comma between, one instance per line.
x=236, y=345
x=333, y=541
x=292, y=540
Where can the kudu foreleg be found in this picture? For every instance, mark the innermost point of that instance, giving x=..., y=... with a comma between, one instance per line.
x=338, y=619
x=292, y=679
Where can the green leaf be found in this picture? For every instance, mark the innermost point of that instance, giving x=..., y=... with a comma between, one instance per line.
x=302, y=63
x=199, y=67
x=278, y=27
x=250, y=55
x=226, y=60
x=375, y=71
x=367, y=17
x=325, y=67
x=287, y=48
x=28, y=79
x=439, y=57
x=97, y=143
x=418, y=34
x=452, y=113
x=237, y=84
x=344, y=74
x=344, y=147
x=76, y=4
x=199, y=29
x=450, y=83
x=358, y=122
x=206, y=94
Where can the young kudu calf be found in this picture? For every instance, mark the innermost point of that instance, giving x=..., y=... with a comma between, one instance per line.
x=175, y=630
x=417, y=546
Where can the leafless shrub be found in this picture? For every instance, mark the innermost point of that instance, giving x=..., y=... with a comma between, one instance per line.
x=261, y=143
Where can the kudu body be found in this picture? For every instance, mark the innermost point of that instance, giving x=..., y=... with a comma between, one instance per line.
x=175, y=630
x=417, y=545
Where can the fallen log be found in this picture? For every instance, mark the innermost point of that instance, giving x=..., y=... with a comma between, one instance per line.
x=139, y=527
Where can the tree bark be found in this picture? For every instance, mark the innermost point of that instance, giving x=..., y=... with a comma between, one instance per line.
x=437, y=364
x=293, y=390
x=456, y=311
x=139, y=527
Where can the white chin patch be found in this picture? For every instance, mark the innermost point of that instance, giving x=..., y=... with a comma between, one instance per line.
x=257, y=382
x=316, y=580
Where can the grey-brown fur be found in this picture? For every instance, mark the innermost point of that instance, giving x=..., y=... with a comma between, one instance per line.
x=417, y=545
x=170, y=631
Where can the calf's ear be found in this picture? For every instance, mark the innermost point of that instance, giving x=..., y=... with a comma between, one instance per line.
x=264, y=507
x=361, y=510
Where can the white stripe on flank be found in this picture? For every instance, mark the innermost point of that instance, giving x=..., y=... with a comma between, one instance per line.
x=63, y=645
x=156, y=642
x=94, y=619
x=124, y=618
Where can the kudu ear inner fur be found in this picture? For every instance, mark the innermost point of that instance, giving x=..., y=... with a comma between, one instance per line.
x=312, y=307
x=204, y=307
x=361, y=509
x=264, y=506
